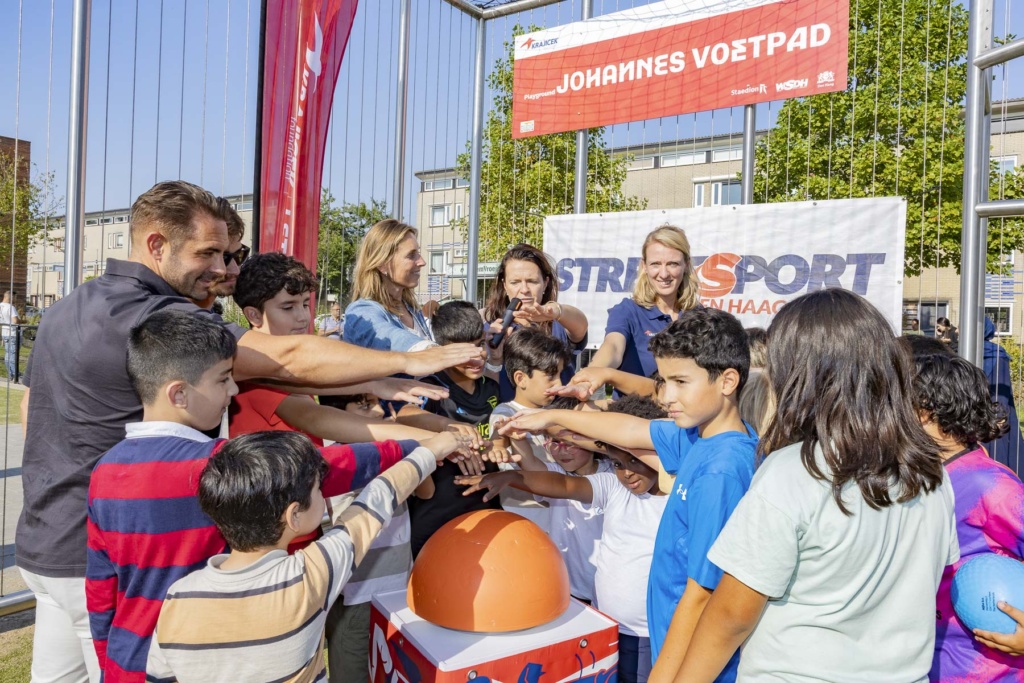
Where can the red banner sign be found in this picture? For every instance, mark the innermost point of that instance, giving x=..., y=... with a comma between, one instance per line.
x=305, y=42
x=677, y=57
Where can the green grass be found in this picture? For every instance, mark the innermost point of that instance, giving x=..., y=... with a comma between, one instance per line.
x=16, y=655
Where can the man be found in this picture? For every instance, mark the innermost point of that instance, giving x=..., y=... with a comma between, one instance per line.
x=80, y=396
x=331, y=326
x=8, y=319
x=234, y=257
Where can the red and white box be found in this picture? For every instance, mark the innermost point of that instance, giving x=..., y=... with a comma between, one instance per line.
x=581, y=646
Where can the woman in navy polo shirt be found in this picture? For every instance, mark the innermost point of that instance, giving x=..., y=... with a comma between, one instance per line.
x=526, y=273
x=666, y=285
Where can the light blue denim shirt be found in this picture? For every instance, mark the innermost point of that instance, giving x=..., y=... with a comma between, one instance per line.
x=370, y=325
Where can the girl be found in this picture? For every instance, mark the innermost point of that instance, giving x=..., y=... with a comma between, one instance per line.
x=833, y=557
x=952, y=399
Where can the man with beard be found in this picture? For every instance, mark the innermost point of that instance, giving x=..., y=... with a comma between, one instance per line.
x=80, y=396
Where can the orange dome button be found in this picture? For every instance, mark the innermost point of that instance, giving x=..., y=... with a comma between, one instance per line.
x=489, y=571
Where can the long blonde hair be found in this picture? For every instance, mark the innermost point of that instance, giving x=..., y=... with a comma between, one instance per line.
x=688, y=293
x=377, y=249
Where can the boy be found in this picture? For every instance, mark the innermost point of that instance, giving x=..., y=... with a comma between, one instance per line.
x=704, y=360
x=258, y=613
x=471, y=398
x=145, y=527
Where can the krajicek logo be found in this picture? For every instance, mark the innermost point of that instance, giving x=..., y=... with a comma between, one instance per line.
x=314, y=62
x=531, y=44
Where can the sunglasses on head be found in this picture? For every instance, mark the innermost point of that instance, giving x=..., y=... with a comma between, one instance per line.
x=237, y=256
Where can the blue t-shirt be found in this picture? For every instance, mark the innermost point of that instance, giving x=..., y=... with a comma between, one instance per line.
x=711, y=476
x=637, y=324
x=507, y=392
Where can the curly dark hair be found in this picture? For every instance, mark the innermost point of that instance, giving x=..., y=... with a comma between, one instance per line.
x=263, y=276
x=638, y=406
x=714, y=339
x=955, y=394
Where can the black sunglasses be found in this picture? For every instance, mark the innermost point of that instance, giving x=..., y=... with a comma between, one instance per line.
x=238, y=256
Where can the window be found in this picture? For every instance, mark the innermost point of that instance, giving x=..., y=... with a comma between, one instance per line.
x=437, y=262
x=641, y=164
x=458, y=211
x=440, y=214
x=726, y=193
x=1004, y=164
x=120, y=219
x=925, y=313
x=460, y=252
x=115, y=240
x=92, y=221
x=727, y=154
x=243, y=206
x=683, y=159
x=461, y=182
x=698, y=194
x=441, y=184
x=1002, y=316
x=107, y=221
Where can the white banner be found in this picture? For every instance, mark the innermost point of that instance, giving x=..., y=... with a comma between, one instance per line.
x=750, y=259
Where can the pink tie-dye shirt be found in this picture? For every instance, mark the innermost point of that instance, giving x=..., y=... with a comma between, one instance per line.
x=989, y=518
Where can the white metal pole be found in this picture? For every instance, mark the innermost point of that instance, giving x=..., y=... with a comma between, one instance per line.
x=749, y=138
x=579, y=195
x=476, y=161
x=973, y=240
x=74, y=222
x=404, y=21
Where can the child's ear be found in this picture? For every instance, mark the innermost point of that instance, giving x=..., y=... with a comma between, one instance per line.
x=730, y=379
x=519, y=376
x=253, y=315
x=176, y=394
x=290, y=517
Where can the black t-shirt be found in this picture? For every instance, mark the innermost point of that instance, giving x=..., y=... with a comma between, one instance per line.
x=427, y=516
x=79, y=403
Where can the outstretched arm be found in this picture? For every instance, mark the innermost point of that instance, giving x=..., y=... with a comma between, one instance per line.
x=547, y=484
x=342, y=426
x=618, y=429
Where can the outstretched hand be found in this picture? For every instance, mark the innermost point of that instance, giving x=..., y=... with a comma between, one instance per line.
x=437, y=358
x=407, y=390
x=493, y=483
x=534, y=421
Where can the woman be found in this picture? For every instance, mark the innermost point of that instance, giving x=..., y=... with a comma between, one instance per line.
x=385, y=314
x=667, y=284
x=945, y=331
x=526, y=273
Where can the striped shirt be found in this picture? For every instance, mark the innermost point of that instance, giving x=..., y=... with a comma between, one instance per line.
x=265, y=622
x=146, y=529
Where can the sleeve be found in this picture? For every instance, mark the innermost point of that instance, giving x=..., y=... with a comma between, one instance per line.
x=500, y=411
x=671, y=443
x=712, y=499
x=618, y=319
x=100, y=587
x=602, y=484
x=353, y=465
x=262, y=401
x=1004, y=513
x=367, y=324
x=157, y=668
x=759, y=545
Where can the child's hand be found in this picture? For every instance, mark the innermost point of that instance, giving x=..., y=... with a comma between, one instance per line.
x=583, y=384
x=445, y=443
x=476, y=442
x=407, y=390
x=469, y=462
x=501, y=456
x=1010, y=643
x=493, y=483
x=429, y=361
x=530, y=421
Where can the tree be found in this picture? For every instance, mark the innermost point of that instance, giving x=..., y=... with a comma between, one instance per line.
x=522, y=181
x=898, y=129
x=24, y=205
x=341, y=229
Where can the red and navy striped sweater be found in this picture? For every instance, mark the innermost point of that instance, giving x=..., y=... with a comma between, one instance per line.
x=146, y=529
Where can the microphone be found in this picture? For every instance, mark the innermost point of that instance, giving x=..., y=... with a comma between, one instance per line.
x=506, y=322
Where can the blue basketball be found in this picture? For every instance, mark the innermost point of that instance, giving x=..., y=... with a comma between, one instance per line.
x=980, y=583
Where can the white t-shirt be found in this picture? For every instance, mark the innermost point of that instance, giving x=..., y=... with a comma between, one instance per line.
x=625, y=552
x=576, y=530
x=852, y=597
x=7, y=314
x=513, y=500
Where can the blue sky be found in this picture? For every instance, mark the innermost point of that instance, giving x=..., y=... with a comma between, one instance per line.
x=173, y=92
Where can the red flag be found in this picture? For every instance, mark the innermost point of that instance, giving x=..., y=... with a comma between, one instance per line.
x=305, y=41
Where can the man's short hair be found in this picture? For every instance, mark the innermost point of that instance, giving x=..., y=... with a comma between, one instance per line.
x=263, y=276
x=246, y=487
x=172, y=206
x=528, y=349
x=173, y=345
x=714, y=339
x=236, y=226
x=457, y=322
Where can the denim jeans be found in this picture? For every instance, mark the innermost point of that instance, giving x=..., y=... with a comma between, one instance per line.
x=634, y=658
x=11, y=356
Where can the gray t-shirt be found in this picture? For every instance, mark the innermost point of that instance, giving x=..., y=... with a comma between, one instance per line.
x=852, y=597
